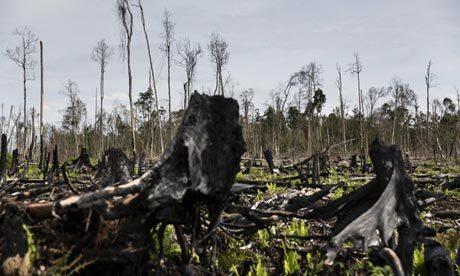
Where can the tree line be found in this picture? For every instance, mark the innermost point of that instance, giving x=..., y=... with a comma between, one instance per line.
x=292, y=125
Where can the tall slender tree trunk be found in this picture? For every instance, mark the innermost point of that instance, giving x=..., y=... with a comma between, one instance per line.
x=130, y=92
x=101, y=110
x=24, y=71
x=152, y=74
x=42, y=99
x=168, y=53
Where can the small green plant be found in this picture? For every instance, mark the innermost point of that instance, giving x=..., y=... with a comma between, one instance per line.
x=263, y=236
x=273, y=189
x=259, y=270
x=297, y=228
x=291, y=265
x=419, y=261
x=32, y=247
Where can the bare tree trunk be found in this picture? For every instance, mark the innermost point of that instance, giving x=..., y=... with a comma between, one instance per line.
x=168, y=54
x=152, y=73
x=25, y=109
x=131, y=106
x=101, y=111
x=42, y=99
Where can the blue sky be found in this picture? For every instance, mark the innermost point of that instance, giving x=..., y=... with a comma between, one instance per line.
x=268, y=41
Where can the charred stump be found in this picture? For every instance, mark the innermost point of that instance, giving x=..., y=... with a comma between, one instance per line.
x=3, y=158
x=370, y=215
x=14, y=162
x=83, y=161
x=114, y=167
x=269, y=158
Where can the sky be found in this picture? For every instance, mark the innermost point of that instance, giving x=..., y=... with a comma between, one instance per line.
x=268, y=41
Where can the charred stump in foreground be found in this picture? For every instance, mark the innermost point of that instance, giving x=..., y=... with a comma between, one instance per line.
x=196, y=171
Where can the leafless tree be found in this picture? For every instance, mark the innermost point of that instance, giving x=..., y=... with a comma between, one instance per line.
x=167, y=34
x=42, y=102
x=126, y=19
x=152, y=73
x=101, y=54
x=312, y=82
x=342, y=106
x=219, y=55
x=373, y=95
x=429, y=81
x=22, y=55
x=188, y=59
x=355, y=68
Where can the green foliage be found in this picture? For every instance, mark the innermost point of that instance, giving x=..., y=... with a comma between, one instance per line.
x=259, y=270
x=419, y=261
x=263, y=237
x=314, y=264
x=297, y=228
x=31, y=246
x=291, y=265
x=273, y=189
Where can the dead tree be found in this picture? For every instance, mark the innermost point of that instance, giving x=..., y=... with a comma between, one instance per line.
x=42, y=102
x=429, y=79
x=189, y=60
x=22, y=55
x=101, y=54
x=219, y=55
x=342, y=107
x=355, y=69
x=126, y=17
x=168, y=33
x=152, y=73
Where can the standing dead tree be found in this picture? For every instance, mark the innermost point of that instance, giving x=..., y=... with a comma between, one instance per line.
x=42, y=102
x=22, y=55
x=355, y=68
x=152, y=73
x=429, y=82
x=342, y=106
x=188, y=59
x=219, y=55
x=101, y=54
x=126, y=18
x=168, y=33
